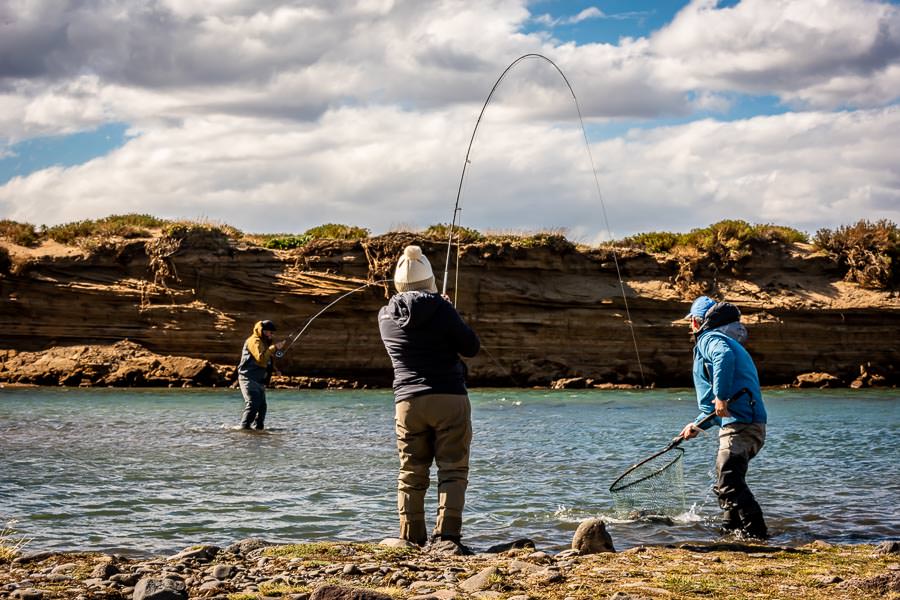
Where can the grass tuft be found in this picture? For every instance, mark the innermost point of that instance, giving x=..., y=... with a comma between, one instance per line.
x=10, y=543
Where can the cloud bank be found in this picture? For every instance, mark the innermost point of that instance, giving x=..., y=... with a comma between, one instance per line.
x=276, y=116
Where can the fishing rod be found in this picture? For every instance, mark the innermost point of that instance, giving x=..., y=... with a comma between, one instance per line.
x=467, y=162
x=294, y=337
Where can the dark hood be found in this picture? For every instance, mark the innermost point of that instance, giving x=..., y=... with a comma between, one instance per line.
x=410, y=310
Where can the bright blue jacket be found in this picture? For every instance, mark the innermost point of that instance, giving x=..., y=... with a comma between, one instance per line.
x=722, y=368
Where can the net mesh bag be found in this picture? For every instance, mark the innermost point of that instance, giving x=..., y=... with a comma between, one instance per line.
x=652, y=487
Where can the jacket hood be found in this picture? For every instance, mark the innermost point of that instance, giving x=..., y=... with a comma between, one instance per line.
x=412, y=309
x=257, y=329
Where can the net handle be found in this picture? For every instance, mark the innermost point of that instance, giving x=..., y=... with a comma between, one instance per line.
x=676, y=441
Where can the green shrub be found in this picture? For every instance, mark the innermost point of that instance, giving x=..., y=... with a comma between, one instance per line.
x=870, y=252
x=555, y=241
x=334, y=231
x=655, y=241
x=464, y=235
x=287, y=242
x=779, y=233
x=125, y=226
x=726, y=239
x=23, y=234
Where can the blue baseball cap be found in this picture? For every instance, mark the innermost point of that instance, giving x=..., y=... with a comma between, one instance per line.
x=700, y=307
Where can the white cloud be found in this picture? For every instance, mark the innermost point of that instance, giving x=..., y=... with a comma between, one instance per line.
x=820, y=54
x=378, y=167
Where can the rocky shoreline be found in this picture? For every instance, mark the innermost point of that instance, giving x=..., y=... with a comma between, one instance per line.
x=254, y=569
x=128, y=364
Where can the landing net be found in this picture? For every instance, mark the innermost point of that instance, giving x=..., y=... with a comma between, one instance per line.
x=654, y=486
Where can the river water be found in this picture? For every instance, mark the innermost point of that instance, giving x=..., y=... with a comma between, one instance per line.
x=150, y=472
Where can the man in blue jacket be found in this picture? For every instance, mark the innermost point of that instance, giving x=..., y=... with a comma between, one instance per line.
x=727, y=383
x=424, y=337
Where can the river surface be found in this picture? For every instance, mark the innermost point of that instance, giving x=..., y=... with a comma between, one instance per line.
x=151, y=472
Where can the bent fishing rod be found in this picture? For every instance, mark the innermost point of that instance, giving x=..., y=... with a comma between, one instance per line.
x=467, y=162
x=294, y=337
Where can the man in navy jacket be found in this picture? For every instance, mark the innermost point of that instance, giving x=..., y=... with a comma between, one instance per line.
x=424, y=337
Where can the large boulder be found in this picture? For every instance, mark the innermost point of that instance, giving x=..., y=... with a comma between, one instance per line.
x=158, y=588
x=591, y=537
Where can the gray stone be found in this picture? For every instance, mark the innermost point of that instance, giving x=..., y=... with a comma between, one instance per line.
x=826, y=579
x=32, y=557
x=337, y=592
x=198, y=553
x=519, y=597
x=248, y=545
x=591, y=537
x=546, y=575
x=479, y=581
x=396, y=543
x=437, y=595
x=487, y=595
x=449, y=548
x=105, y=570
x=63, y=568
x=351, y=569
x=155, y=588
x=224, y=571
x=27, y=594
x=520, y=566
x=890, y=547
x=514, y=545
x=126, y=579
x=210, y=586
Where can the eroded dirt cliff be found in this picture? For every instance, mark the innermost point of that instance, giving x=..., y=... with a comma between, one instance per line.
x=544, y=312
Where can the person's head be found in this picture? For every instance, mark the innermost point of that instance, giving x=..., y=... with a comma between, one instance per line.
x=264, y=329
x=698, y=311
x=413, y=272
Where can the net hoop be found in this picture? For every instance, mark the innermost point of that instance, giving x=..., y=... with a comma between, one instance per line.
x=621, y=483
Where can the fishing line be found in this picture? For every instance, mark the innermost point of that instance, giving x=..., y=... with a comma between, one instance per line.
x=295, y=337
x=467, y=162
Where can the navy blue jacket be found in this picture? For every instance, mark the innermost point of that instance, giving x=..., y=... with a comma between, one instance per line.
x=424, y=337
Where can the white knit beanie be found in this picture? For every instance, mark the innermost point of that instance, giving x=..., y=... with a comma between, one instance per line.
x=414, y=272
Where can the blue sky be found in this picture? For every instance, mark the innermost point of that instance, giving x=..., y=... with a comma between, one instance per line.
x=280, y=115
x=620, y=18
x=39, y=153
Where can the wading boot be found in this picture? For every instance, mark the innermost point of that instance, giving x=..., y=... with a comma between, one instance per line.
x=753, y=525
x=731, y=521
x=414, y=532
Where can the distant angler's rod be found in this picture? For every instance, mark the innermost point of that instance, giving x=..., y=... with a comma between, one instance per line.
x=293, y=338
x=467, y=162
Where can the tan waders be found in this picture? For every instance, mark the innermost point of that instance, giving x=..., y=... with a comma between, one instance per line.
x=432, y=427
